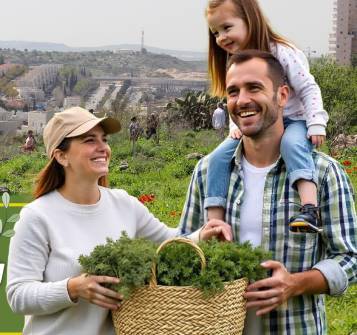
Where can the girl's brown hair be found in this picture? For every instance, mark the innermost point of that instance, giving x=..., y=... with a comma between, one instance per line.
x=260, y=35
x=52, y=176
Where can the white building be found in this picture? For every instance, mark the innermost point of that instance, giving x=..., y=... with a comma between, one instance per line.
x=37, y=121
x=343, y=40
x=72, y=101
x=30, y=94
x=4, y=114
x=19, y=116
x=9, y=128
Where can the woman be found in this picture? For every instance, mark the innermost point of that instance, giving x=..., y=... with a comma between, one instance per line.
x=73, y=212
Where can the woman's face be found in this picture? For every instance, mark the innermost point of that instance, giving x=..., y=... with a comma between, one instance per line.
x=88, y=155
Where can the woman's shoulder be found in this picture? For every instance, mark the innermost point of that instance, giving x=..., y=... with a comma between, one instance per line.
x=43, y=202
x=36, y=212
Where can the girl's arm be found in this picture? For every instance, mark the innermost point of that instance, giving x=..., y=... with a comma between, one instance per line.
x=303, y=83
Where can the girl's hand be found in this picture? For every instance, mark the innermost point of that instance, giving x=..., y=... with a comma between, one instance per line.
x=317, y=140
x=216, y=228
x=89, y=287
x=235, y=134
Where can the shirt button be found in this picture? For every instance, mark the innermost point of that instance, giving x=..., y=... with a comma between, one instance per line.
x=238, y=202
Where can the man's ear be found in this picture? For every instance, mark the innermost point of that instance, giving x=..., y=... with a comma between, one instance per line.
x=61, y=157
x=283, y=95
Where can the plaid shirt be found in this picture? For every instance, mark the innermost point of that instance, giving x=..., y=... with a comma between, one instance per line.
x=333, y=252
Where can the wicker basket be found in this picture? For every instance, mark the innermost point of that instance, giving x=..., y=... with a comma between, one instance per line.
x=182, y=310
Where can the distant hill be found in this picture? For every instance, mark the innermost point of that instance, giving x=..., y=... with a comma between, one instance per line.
x=48, y=46
x=109, y=63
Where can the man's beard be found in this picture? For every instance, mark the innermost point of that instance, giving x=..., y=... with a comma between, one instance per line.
x=268, y=117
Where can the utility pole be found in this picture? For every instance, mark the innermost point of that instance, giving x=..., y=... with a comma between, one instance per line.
x=308, y=52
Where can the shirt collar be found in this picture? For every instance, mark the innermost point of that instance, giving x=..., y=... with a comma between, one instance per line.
x=238, y=154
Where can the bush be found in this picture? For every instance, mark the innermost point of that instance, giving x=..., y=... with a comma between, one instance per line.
x=339, y=93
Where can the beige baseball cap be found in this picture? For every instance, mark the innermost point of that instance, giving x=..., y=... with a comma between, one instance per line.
x=73, y=122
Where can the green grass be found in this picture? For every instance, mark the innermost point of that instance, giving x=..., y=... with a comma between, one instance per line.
x=163, y=171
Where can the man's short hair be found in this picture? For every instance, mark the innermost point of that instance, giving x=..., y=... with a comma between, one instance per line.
x=275, y=69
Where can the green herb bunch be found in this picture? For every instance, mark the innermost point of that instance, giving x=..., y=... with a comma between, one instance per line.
x=179, y=265
x=127, y=259
x=227, y=262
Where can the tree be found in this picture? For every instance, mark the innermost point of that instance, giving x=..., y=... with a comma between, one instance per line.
x=339, y=92
x=2, y=59
x=195, y=108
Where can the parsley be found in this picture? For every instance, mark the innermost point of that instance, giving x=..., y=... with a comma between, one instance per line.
x=177, y=264
x=127, y=259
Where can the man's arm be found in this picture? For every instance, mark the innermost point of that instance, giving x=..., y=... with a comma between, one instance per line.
x=339, y=236
x=330, y=275
x=267, y=294
x=192, y=216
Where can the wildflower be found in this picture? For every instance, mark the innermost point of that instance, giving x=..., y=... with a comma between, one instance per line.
x=144, y=198
x=174, y=213
x=349, y=171
x=347, y=163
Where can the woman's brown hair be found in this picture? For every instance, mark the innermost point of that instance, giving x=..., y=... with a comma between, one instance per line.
x=52, y=176
x=260, y=35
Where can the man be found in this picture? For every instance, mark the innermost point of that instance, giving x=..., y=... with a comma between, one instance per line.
x=152, y=124
x=219, y=120
x=134, y=133
x=260, y=202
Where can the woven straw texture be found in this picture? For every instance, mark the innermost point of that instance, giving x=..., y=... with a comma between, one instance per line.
x=182, y=310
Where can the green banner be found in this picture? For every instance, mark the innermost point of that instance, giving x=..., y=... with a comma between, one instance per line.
x=10, y=206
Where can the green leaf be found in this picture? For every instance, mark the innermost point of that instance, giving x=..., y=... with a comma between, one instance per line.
x=9, y=233
x=13, y=218
x=6, y=199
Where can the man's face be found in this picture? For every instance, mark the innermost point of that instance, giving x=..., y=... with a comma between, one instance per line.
x=252, y=101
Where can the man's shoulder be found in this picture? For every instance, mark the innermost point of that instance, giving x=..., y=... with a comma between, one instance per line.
x=202, y=165
x=326, y=165
x=323, y=160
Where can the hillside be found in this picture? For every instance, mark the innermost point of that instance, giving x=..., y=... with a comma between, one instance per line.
x=134, y=63
x=49, y=46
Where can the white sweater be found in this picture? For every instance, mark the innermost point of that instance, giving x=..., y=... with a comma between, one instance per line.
x=305, y=101
x=50, y=235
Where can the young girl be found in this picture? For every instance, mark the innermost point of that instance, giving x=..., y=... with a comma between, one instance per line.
x=236, y=25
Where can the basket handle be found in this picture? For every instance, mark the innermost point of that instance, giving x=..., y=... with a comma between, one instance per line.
x=153, y=280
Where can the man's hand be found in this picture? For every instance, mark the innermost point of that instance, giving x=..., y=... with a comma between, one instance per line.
x=267, y=294
x=317, y=140
x=217, y=228
x=235, y=134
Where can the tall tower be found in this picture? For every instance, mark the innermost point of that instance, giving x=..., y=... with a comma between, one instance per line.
x=142, y=41
x=343, y=39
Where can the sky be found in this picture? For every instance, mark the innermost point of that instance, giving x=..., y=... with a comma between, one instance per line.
x=168, y=24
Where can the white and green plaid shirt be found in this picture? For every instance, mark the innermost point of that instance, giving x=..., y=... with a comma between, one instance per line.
x=334, y=252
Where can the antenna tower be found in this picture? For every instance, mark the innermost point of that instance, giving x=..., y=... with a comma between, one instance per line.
x=142, y=41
